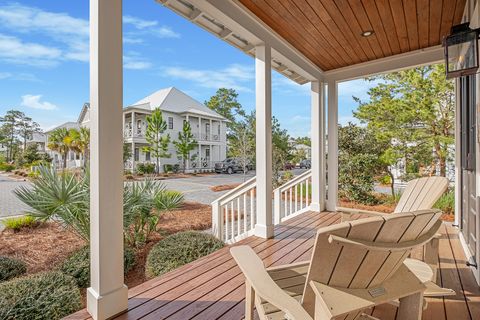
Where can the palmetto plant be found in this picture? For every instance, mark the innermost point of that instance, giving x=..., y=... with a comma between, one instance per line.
x=65, y=197
x=59, y=196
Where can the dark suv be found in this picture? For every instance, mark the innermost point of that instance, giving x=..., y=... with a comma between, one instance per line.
x=305, y=164
x=230, y=165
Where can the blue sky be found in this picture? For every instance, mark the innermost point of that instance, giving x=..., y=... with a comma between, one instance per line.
x=44, y=63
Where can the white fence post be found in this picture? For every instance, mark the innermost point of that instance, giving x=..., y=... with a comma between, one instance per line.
x=277, y=206
x=217, y=220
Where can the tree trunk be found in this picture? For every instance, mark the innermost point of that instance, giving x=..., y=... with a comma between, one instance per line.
x=65, y=160
x=158, y=165
x=443, y=166
x=392, y=184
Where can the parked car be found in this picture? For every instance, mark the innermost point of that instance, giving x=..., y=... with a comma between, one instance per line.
x=230, y=165
x=305, y=164
x=289, y=166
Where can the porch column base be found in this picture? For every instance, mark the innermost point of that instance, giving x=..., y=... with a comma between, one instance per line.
x=107, y=305
x=316, y=207
x=264, y=231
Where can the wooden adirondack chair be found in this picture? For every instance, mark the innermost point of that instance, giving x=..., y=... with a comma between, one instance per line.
x=355, y=265
x=419, y=194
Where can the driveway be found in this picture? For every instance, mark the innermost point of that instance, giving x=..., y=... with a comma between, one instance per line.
x=198, y=188
x=9, y=204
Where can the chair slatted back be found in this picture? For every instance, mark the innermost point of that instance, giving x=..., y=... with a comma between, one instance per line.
x=421, y=194
x=352, y=266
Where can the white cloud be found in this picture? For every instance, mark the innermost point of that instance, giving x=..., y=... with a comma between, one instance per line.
x=5, y=75
x=235, y=76
x=66, y=31
x=18, y=76
x=33, y=101
x=15, y=50
x=357, y=88
x=139, y=23
x=344, y=120
x=148, y=27
x=134, y=61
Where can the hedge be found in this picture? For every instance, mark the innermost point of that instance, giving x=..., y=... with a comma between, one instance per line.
x=51, y=295
x=11, y=268
x=179, y=249
x=77, y=265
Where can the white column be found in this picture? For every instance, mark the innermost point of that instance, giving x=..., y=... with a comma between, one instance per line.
x=107, y=295
x=187, y=163
x=210, y=133
x=200, y=128
x=318, y=151
x=134, y=129
x=332, y=139
x=263, y=82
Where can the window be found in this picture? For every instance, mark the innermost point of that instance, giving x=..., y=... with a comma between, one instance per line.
x=219, y=125
x=137, y=154
x=170, y=122
x=207, y=154
x=467, y=114
x=147, y=156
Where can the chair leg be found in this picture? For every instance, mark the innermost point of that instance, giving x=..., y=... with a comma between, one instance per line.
x=411, y=307
x=431, y=256
x=249, y=301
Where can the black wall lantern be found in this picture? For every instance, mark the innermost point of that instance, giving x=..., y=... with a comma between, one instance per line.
x=461, y=51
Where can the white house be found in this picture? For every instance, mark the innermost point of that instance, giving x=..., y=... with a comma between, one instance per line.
x=208, y=127
x=74, y=159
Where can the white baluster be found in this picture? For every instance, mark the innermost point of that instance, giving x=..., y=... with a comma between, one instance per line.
x=227, y=228
x=233, y=220
x=291, y=201
x=238, y=216
x=252, y=208
x=301, y=195
x=296, y=198
x=245, y=215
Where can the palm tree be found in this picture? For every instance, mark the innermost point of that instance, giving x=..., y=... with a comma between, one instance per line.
x=79, y=141
x=59, y=141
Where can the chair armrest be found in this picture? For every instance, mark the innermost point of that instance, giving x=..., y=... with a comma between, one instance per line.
x=264, y=286
x=348, y=212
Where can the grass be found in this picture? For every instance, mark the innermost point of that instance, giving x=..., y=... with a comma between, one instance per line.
x=446, y=203
x=18, y=223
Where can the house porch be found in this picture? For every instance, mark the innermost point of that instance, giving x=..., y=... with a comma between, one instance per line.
x=213, y=286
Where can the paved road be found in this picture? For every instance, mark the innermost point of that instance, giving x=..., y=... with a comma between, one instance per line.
x=9, y=204
x=195, y=189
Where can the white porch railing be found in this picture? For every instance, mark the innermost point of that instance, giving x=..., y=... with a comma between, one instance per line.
x=293, y=197
x=234, y=213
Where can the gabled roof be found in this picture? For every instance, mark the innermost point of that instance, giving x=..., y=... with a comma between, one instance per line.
x=67, y=125
x=83, y=112
x=173, y=100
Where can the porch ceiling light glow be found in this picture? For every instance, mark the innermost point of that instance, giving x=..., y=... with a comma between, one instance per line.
x=367, y=33
x=461, y=51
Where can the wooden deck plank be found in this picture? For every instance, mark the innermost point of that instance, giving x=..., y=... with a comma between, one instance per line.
x=155, y=299
x=213, y=286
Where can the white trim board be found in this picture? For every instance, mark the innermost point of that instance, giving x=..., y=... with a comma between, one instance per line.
x=393, y=63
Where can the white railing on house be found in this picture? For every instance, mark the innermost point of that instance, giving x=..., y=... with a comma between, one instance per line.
x=292, y=198
x=234, y=213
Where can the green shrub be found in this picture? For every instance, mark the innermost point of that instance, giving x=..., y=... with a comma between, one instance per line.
x=6, y=167
x=11, y=268
x=50, y=295
x=167, y=168
x=168, y=200
x=18, y=223
x=78, y=265
x=179, y=249
x=446, y=203
x=146, y=168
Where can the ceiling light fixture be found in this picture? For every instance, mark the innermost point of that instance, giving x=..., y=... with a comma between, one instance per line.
x=367, y=33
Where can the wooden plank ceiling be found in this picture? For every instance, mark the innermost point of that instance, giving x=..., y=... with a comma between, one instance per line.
x=329, y=32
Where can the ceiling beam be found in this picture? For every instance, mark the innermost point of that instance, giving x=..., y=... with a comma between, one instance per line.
x=389, y=64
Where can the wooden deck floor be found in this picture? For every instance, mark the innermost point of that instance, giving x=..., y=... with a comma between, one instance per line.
x=213, y=287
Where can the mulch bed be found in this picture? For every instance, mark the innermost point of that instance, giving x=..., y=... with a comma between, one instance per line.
x=46, y=246
x=223, y=187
